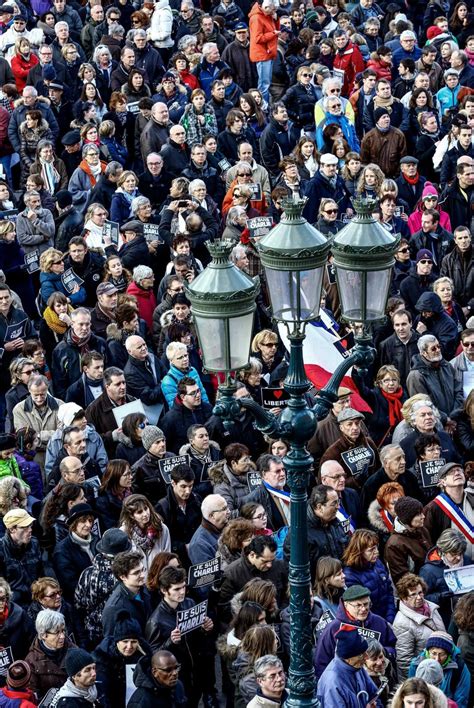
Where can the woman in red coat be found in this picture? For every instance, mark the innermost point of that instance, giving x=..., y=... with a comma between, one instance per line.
x=381, y=62
x=22, y=61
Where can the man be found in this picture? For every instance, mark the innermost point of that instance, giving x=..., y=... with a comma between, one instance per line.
x=458, y=265
x=393, y=469
x=65, y=13
x=271, y=494
x=458, y=198
x=327, y=431
x=348, y=60
x=463, y=363
x=258, y=561
x=90, y=384
x=399, y=117
x=345, y=676
x=20, y=555
x=157, y=683
x=349, y=513
x=71, y=471
x=278, y=138
x=80, y=686
x=88, y=265
x=34, y=225
x=408, y=49
x=130, y=593
x=88, y=31
x=38, y=412
x=353, y=610
x=360, y=99
x=237, y=56
x=103, y=314
x=101, y=193
x=190, y=19
x=210, y=30
x=460, y=61
x=462, y=148
x=264, y=30
x=143, y=373
x=434, y=320
x=433, y=375
x=209, y=67
x=147, y=476
x=257, y=173
x=66, y=361
x=355, y=451
x=156, y=131
x=384, y=144
x=100, y=411
x=419, y=280
x=120, y=75
x=175, y=153
x=30, y=101
x=270, y=677
x=72, y=154
x=431, y=237
x=215, y=515
x=200, y=168
x=187, y=409
x=428, y=64
x=326, y=184
x=112, y=17
x=147, y=58
x=229, y=476
x=180, y=509
x=45, y=56
x=153, y=183
x=75, y=445
x=401, y=346
x=63, y=37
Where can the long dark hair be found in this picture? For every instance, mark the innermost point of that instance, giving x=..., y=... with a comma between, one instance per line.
x=255, y=111
x=58, y=502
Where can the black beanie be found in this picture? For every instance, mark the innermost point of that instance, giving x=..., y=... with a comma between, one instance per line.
x=406, y=508
x=76, y=660
x=126, y=627
x=379, y=112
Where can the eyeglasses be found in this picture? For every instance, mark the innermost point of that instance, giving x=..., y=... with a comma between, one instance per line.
x=336, y=476
x=57, y=263
x=269, y=344
x=260, y=517
x=170, y=669
x=193, y=393
x=136, y=22
x=430, y=199
x=403, y=250
x=306, y=75
x=220, y=511
x=425, y=261
x=56, y=634
x=360, y=605
x=330, y=211
x=58, y=593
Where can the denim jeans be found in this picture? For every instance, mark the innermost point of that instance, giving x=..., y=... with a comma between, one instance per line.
x=264, y=71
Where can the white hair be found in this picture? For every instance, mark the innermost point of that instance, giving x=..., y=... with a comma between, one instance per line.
x=209, y=503
x=173, y=348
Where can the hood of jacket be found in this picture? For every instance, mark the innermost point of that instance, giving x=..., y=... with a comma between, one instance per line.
x=186, y=449
x=220, y=473
x=41, y=99
x=374, y=517
x=429, y=302
x=437, y=696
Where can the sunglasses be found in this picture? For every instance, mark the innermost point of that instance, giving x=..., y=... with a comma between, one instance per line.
x=143, y=425
x=330, y=211
x=237, y=194
x=425, y=261
x=244, y=174
x=306, y=75
x=403, y=250
x=468, y=344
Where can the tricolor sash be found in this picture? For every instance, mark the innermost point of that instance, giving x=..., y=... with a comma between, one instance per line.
x=456, y=515
x=346, y=520
x=281, y=499
x=387, y=518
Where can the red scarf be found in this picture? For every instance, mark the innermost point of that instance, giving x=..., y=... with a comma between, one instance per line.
x=412, y=180
x=394, y=401
x=4, y=616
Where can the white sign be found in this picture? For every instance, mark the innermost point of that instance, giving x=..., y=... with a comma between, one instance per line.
x=460, y=580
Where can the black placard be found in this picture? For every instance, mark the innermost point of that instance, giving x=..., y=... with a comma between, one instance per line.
x=111, y=229
x=256, y=188
x=32, y=261
x=331, y=273
x=254, y=480
x=15, y=331
x=358, y=460
x=69, y=279
x=205, y=573
x=48, y=700
x=224, y=164
x=259, y=226
x=429, y=471
x=192, y=618
x=274, y=397
x=6, y=658
x=167, y=464
x=133, y=107
x=370, y=634
x=151, y=233
x=325, y=619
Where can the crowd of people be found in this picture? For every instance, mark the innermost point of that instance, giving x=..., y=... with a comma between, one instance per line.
x=144, y=544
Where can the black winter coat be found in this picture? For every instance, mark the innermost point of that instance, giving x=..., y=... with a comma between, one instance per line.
x=122, y=599
x=90, y=270
x=300, y=105
x=102, y=192
x=319, y=188
x=237, y=57
x=411, y=194
x=181, y=524
x=412, y=287
x=459, y=209
x=407, y=480
x=66, y=362
x=111, y=670
x=177, y=420
x=147, y=479
x=175, y=158
x=69, y=224
x=440, y=324
x=14, y=316
x=109, y=508
x=228, y=143
x=277, y=141
x=439, y=246
x=20, y=566
x=448, y=451
x=424, y=151
x=144, y=379
x=393, y=351
x=448, y=165
x=460, y=268
x=69, y=561
x=378, y=425
x=135, y=253
x=17, y=632
x=149, y=694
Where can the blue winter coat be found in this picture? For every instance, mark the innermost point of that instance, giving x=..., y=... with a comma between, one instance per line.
x=343, y=685
x=327, y=642
x=52, y=283
x=121, y=208
x=456, y=682
x=346, y=126
x=375, y=577
x=169, y=384
x=117, y=152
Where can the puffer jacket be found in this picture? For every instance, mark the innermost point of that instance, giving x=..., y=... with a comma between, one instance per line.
x=405, y=550
x=376, y=578
x=456, y=676
x=169, y=384
x=233, y=488
x=439, y=383
x=413, y=630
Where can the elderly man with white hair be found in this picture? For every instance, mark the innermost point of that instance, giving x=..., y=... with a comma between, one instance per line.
x=30, y=101
x=178, y=357
x=215, y=515
x=143, y=372
x=349, y=513
x=209, y=67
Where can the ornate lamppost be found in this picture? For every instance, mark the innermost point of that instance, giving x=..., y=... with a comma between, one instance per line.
x=294, y=255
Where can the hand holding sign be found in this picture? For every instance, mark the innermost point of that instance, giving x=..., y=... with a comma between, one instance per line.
x=175, y=636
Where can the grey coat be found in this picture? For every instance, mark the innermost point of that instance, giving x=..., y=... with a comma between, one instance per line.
x=36, y=234
x=229, y=486
x=440, y=384
x=413, y=630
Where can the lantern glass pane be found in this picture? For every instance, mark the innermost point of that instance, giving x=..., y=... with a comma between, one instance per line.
x=224, y=342
x=295, y=295
x=378, y=283
x=363, y=294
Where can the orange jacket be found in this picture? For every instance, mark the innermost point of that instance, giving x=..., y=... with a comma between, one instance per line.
x=263, y=40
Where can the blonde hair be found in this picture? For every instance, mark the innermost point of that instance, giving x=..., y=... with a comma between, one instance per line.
x=125, y=175
x=6, y=227
x=407, y=407
x=261, y=337
x=387, y=369
x=441, y=281
x=48, y=257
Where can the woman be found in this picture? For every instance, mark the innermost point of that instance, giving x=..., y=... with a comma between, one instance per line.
x=306, y=154
x=85, y=177
x=464, y=620
x=198, y=119
x=290, y=179
x=121, y=205
x=258, y=516
x=279, y=447
x=261, y=591
x=115, y=487
x=90, y=93
x=12, y=263
x=448, y=95
x=123, y=119
x=427, y=141
x=362, y=566
x=416, y=692
x=327, y=222
x=256, y=118
x=385, y=399
x=444, y=288
x=76, y=552
x=427, y=447
x=265, y=347
x=459, y=18
x=300, y=100
x=328, y=588
x=72, y=61
x=115, y=273
x=464, y=433
x=236, y=535
x=409, y=541
x=32, y=130
x=415, y=621
x=143, y=526
x=115, y=150
x=47, y=654
x=90, y=136
x=127, y=322
x=162, y=560
x=112, y=656
x=52, y=269
x=46, y=23
x=259, y=100
x=180, y=63
x=6, y=198
x=351, y=172
x=55, y=322
x=198, y=192
x=421, y=101
x=381, y=62
x=93, y=231
x=135, y=88
x=370, y=181
x=22, y=62
x=251, y=376
x=16, y=628
x=12, y=496
x=46, y=594
x=203, y=452
x=50, y=167
x=257, y=641
x=130, y=447
x=429, y=200
x=21, y=369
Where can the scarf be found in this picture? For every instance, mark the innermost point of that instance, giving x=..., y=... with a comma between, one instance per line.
x=92, y=173
x=4, y=616
x=84, y=543
x=81, y=344
x=122, y=117
x=56, y=655
x=394, y=401
x=412, y=180
x=70, y=690
x=204, y=457
x=423, y=610
x=434, y=135
x=50, y=175
x=384, y=103
x=144, y=540
x=53, y=321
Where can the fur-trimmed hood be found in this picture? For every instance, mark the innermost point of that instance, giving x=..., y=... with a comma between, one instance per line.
x=8, y=487
x=39, y=130
x=181, y=89
x=228, y=651
x=114, y=332
x=218, y=472
x=40, y=99
x=437, y=696
x=374, y=517
x=186, y=449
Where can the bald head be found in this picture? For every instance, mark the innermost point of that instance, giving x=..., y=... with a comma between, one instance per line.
x=72, y=470
x=136, y=347
x=333, y=475
x=160, y=113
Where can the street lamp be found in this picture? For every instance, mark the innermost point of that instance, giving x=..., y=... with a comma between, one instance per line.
x=294, y=255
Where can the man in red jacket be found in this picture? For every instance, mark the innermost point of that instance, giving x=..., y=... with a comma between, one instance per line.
x=348, y=61
x=264, y=30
